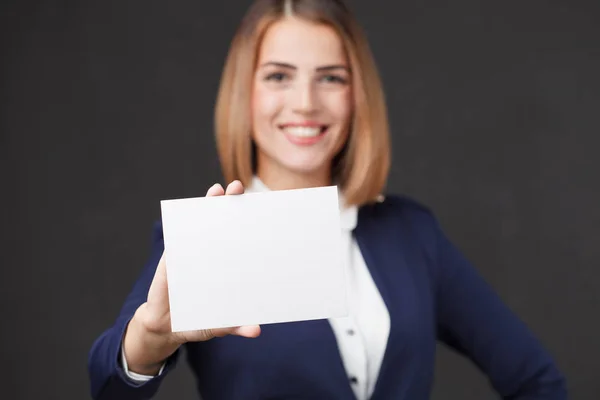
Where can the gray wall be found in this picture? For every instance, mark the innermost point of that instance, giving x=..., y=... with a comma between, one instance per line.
x=106, y=108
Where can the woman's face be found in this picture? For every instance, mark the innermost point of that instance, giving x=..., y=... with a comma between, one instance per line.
x=302, y=98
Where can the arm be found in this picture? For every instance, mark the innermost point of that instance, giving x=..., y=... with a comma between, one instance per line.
x=107, y=376
x=142, y=333
x=473, y=320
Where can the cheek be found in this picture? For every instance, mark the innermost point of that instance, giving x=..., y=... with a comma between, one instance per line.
x=265, y=106
x=339, y=105
x=340, y=108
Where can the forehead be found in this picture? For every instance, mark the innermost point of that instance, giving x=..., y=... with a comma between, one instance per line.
x=301, y=42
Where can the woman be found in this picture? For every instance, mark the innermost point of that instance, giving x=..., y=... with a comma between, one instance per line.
x=301, y=105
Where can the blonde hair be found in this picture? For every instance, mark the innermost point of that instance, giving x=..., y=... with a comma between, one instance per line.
x=361, y=167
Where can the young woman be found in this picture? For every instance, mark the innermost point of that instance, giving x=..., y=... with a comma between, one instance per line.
x=301, y=105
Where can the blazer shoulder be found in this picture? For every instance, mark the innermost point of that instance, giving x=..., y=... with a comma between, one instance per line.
x=402, y=206
x=406, y=203
x=401, y=213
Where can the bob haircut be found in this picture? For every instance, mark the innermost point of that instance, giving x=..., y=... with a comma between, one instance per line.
x=361, y=167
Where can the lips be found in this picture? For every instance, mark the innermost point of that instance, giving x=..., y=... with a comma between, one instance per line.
x=304, y=134
x=304, y=131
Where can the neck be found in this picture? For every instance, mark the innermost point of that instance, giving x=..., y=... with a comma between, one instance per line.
x=279, y=179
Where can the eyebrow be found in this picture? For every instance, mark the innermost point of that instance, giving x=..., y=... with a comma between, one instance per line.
x=290, y=66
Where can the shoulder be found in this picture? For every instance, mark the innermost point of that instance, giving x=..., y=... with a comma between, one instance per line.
x=401, y=217
x=399, y=208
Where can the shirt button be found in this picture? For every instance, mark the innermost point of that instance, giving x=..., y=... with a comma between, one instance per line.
x=350, y=332
x=353, y=379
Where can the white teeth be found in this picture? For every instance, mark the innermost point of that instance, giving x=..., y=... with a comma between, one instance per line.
x=302, y=131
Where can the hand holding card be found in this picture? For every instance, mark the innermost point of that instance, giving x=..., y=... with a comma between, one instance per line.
x=234, y=262
x=149, y=339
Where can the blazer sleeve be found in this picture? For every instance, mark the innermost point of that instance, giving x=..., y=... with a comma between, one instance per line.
x=107, y=378
x=474, y=321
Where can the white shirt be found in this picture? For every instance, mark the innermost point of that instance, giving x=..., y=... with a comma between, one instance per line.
x=361, y=337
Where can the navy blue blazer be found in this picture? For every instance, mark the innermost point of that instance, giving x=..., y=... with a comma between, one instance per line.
x=432, y=293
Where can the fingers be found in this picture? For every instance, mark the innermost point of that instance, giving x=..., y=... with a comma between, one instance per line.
x=234, y=187
x=215, y=190
x=250, y=331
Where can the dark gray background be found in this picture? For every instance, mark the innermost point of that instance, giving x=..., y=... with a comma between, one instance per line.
x=106, y=108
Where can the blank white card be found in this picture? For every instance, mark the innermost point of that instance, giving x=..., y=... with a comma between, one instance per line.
x=255, y=258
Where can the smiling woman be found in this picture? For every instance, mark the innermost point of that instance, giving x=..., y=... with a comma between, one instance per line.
x=301, y=105
x=317, y=111
x=302, y=99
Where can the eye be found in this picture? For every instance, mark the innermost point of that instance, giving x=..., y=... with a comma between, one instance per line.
x=334, y=79
x=276, y=77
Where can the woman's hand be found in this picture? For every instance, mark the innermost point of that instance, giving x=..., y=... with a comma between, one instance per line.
x=148, y=340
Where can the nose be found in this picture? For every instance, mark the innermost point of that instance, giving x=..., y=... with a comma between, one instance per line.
x=304, y=98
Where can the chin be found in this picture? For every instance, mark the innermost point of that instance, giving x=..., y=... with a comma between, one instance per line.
x=305, y=166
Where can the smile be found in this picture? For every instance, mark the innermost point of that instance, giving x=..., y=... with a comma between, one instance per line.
x=304, y=134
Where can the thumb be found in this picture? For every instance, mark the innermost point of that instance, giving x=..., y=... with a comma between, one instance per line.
x=158, y=294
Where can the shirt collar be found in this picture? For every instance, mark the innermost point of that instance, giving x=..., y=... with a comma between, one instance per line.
x=348, y=214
